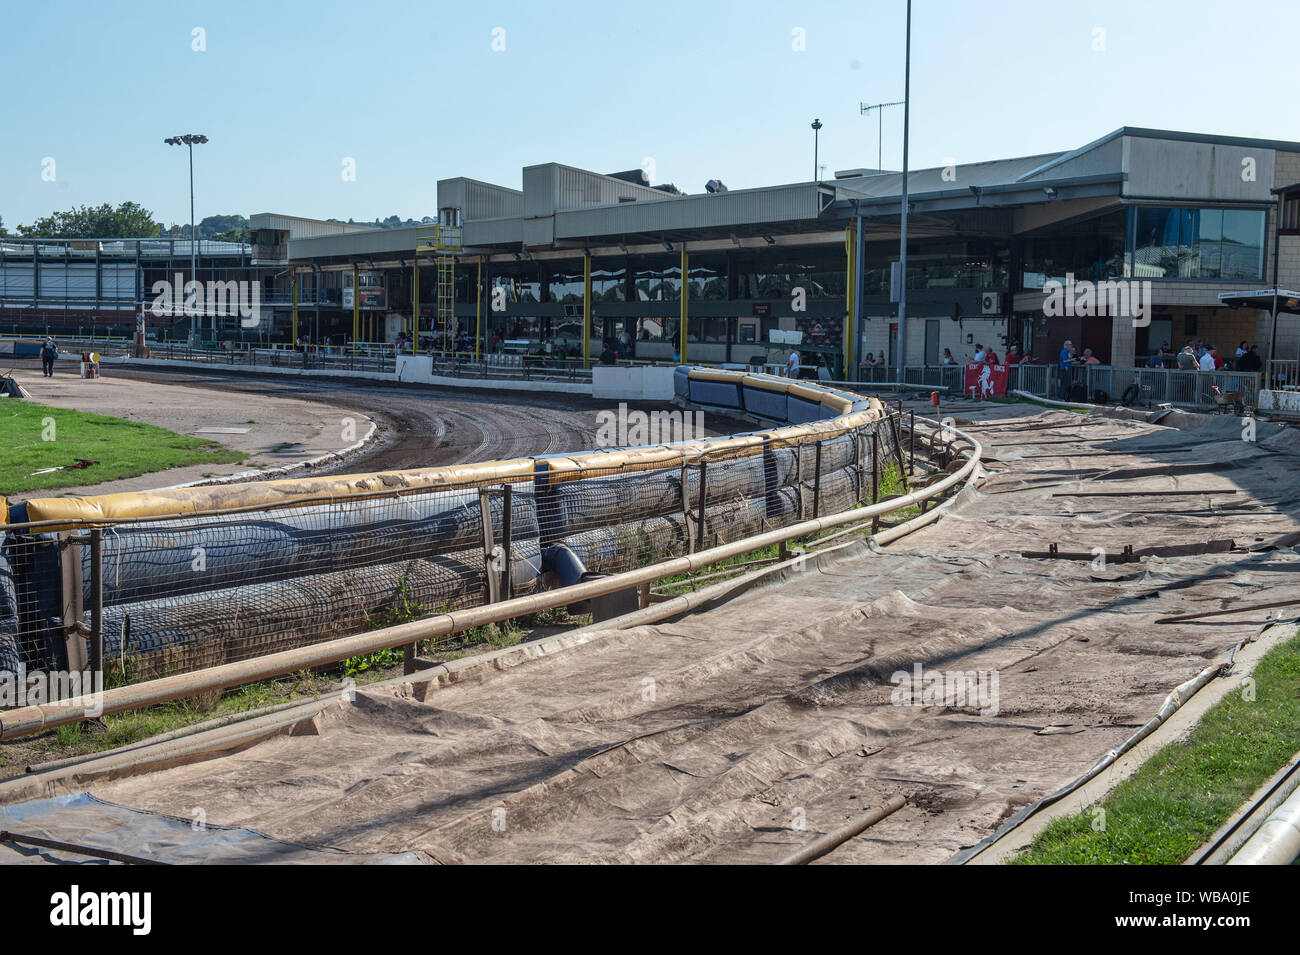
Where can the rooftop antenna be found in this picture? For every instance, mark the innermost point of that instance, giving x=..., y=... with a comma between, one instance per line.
x=863, y=109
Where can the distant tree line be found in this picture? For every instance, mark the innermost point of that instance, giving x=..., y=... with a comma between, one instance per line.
x=130, y=220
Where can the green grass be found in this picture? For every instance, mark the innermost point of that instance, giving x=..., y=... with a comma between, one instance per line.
x=1183, y=794
x=34, y=436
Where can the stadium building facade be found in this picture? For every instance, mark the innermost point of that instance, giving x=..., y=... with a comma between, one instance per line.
x=577, y=261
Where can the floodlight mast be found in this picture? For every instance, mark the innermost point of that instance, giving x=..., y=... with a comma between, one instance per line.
x=189, y=140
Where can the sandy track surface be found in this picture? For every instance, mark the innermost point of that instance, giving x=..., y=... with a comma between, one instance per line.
x=273, y=430
x=740, y=732
x=431, y=426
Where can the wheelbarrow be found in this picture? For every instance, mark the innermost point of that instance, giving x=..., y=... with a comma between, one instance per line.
x=1228, y=402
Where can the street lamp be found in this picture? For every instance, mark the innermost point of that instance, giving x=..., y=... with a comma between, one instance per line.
x=189, y=140
x=816, y=128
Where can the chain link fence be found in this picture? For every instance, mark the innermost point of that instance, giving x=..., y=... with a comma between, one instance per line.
x=143, y=598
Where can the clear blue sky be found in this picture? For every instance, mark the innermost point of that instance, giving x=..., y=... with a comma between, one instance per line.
x=414, y=92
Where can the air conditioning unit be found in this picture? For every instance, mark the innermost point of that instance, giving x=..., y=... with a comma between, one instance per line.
x=991, y=303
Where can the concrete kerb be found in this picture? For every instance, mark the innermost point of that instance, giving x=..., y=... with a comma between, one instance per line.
x=1175, y=728
x=329, y=457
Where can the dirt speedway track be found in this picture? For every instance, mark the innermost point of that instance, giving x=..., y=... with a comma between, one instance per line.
x=423, y=427
x=742, y=731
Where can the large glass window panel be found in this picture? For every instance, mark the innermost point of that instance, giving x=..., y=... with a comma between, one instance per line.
x=1209, y=243
x=608, y=285
x=1243, y=244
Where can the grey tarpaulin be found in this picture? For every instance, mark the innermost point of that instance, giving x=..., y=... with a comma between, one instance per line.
x=83, y=820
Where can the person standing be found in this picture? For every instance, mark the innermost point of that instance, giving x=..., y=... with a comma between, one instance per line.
x=1187, y=359
x=1065, y=369
x=792, y=365
x=1207, y=360
x=48, y=353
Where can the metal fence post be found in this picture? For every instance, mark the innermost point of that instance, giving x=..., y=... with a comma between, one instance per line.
x=875, y=480
x=506, y=521
x=491, y=581
x=97, y=603
x=911, y=445
x=699, y=512
x=817, y=481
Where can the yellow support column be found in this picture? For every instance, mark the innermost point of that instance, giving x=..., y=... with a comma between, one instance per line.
x=685, y=310
x=356, y=308
x=293, y=340
x=586, y=310
x=415, y=305
x=478, y=310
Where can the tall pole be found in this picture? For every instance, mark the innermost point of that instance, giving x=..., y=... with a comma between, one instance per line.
x=194, y=258
x=816, y=128
x=902, y=231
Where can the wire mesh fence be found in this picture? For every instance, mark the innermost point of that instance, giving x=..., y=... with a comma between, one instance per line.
x=145, y=598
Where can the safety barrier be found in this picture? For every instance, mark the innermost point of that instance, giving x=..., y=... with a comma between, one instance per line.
x=168, y=581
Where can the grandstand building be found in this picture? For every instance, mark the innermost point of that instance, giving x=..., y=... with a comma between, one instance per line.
x=576, y=262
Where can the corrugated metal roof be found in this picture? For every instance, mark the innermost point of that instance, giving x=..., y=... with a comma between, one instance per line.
x=552, y=187
x=479, y=200
x=718, y=210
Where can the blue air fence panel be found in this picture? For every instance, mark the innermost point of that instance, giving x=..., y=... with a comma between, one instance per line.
x=801, y=411
x=682, y=382
x=770, y=405
x=10, y=654
x=37, y=585
x=718, y=394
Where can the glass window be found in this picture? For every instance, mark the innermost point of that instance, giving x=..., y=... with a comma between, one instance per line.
x=1243, y=244
x=607, y=284
x=1185, y=243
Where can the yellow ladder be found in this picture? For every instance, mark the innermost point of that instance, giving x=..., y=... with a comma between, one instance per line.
x=444, y=241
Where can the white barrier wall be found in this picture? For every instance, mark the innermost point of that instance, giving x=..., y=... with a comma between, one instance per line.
x=633, y=382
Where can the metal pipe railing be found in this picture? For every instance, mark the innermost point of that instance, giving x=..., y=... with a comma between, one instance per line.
x=37, y=717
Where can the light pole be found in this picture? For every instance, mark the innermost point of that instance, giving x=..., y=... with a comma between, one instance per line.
x=902, y=229
x=816, y=128
x=189, y=139
x=863, y=109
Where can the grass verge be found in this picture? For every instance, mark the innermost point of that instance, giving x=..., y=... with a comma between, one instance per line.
x=34, y=436
x=1176, y=801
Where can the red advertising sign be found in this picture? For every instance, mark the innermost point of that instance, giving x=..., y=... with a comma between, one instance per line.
x=985, y=381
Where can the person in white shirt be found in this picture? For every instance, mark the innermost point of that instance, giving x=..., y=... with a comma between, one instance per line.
x=792, y=365
x=979, y=354
x=1207, y=361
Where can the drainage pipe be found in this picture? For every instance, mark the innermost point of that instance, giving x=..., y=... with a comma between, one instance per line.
x=35, y=718
x=1278, y=840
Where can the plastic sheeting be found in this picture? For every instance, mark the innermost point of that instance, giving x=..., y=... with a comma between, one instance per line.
x=82, y=820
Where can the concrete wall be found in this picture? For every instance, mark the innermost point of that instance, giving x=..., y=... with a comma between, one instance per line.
x=633, y=382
